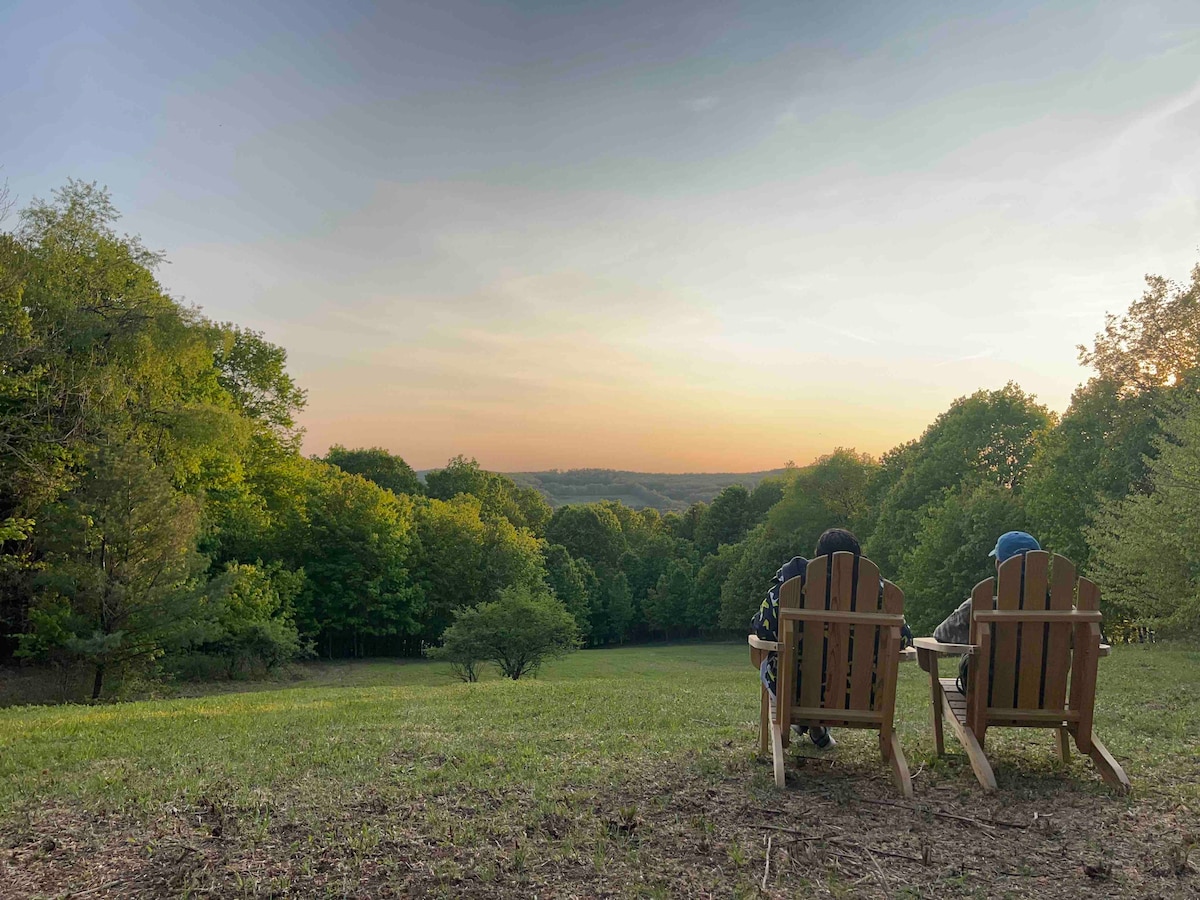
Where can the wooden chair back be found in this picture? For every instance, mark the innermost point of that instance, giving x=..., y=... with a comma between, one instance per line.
x=839, y=626
x=1045, y=625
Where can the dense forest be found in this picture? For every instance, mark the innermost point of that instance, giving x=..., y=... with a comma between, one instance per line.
x=157, y=514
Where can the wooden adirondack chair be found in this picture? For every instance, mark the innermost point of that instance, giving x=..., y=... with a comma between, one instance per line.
x=1020, y=655
x=845, y=633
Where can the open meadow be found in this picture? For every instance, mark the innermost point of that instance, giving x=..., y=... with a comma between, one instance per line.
x=620, y=772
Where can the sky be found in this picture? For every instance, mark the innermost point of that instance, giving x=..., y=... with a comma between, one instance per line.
x=698, y=236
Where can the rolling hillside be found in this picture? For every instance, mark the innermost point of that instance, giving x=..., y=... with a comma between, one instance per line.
x=636, y=489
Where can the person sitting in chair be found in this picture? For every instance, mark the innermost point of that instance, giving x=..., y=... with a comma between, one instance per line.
x=765, y=623
x=956, y=627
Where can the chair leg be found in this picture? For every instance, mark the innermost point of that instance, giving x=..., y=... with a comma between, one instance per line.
x=935, y=690
x=764, y=724
x=979, y=762
x=1064, y=744
x=1110, y=770
x=894, y=756
x=777, y=753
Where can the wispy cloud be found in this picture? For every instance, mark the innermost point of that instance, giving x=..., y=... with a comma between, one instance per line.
x=971, y=357
x=702, y=104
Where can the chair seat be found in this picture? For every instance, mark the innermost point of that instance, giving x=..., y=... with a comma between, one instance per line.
x=955, y=698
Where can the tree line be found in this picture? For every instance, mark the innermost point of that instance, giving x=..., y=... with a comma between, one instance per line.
x=156, y=511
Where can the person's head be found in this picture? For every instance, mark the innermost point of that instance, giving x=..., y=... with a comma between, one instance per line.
x=836, y=540
x=1012, y=543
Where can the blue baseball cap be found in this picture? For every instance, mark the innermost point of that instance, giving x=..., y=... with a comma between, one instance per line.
x=1011, y=543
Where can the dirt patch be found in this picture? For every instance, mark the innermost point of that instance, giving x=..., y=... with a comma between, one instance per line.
x=704, y=829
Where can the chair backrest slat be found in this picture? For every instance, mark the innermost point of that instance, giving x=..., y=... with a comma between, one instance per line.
x=1058, y=635
x=837, y=648
x=812, y=655
x=1031, y=636
x=866, y=637
x=1004, y=636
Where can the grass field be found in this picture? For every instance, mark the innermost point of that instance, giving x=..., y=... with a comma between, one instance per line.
x=627, y=772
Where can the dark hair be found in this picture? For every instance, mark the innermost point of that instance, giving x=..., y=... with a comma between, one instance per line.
x=834, y=540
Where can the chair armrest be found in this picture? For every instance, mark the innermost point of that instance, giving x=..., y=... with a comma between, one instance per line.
x=928, y=643
x=908, y=654
x=759, y=644
x=1105, y=649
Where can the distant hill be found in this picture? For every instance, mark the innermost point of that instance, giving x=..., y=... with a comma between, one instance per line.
x=636, y=489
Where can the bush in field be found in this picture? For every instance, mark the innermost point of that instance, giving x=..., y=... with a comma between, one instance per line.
x=518, y=632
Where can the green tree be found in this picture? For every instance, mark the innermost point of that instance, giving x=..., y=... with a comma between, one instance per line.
x=831, y=493
x=499, y=495
x=1156, y=343
x=377, y=465
x=1146, y=547
x=122, y=575
x=613, y=618
x=704, y=606
x=465, y=558
x=763, y=552
x=590, y=532
x=684, y=525
x=951, y=555
x=254, y=373
x=765, y=495
x=518, y=632
x=1096, y=454
x=354, y=543
x=666, y=604
x=568, y=579
x=725, y=521
x=249, y=619
x=986, y=438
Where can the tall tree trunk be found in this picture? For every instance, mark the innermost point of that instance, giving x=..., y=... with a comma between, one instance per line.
x=98, y=682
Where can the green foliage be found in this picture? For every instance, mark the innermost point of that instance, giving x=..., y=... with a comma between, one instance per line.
x=589, y=532
x=353, y=541
x=1095, y=455
x=571, y=581
x=986, y=438
x=250, y=618
x=612, y=618
x=1156, y=344
x=951, y=555
x=831, y=493
x=464, y=557
x=765, y=495
x=704, y=605
x=683, y=525
x=253, y=372
x=666, y=604
x=725, y=521
x=1146, y=547
x=763, y=552
x=499, y=495
x=122, y=572
x=518, y=632
x=377, y=465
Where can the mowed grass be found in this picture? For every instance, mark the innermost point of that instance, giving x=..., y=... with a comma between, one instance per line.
x=366, y=756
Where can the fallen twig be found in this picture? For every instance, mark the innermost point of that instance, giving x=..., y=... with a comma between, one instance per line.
x=92, y=890
x=883, y=882
x=801, y=836
x=767, y=865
